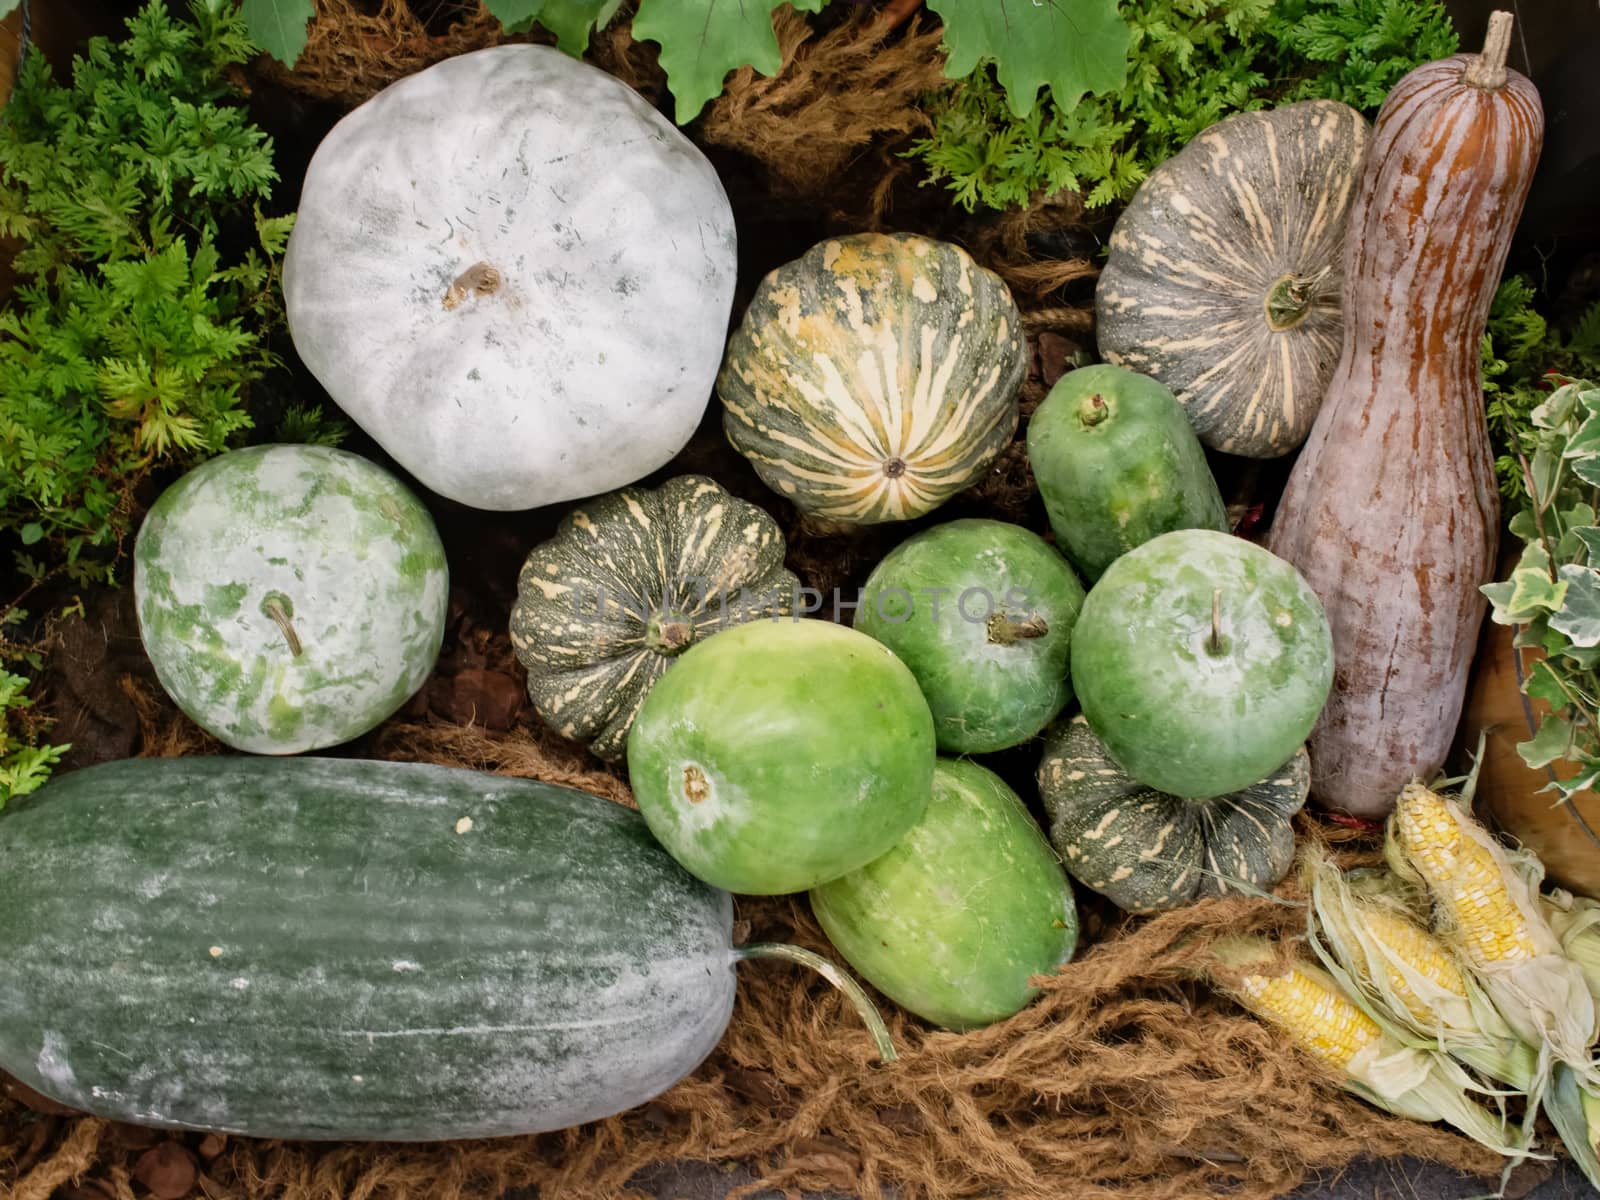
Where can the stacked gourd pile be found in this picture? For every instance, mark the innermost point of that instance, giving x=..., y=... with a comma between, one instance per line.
x=516, y=332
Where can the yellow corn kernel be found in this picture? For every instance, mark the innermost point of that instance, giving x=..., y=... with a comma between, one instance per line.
x=1413, y=945
x=1316, y=1015
x=1464, y=877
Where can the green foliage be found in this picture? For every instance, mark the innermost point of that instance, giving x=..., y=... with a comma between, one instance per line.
x=279, y=26
x=24, y=763
x=702, y=40
x=1073, y=46
x=147, y=278
x=1191, y=63
x=1523, y=360
x=1553, y=594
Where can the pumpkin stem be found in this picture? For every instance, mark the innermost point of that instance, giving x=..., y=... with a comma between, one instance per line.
x=668, y=634
x=1216, y=643
x=1289, y=300
x=480, y=279
x=1003, y=631
x=274, y=608
x=1488, y=70
x=1093, y=410
x=851, y=989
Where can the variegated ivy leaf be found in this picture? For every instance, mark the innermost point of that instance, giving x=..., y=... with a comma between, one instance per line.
x=1578, y=613
x=1588, y=470
x=1544, y=467
x=1590, y=537
x=1530, y=592
x=1558, y=410
x=1582, y=657
x=1581, y=782
x=1586, y=441
x=1552, y=741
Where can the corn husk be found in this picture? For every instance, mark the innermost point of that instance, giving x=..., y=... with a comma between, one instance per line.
x=1576, y=921
x=1424, y=1085
x=1575, y=1112
x=1413, y=980
x=1541, y=993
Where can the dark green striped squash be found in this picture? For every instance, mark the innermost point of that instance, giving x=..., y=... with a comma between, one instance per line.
x=349, y=950
x=627, y=584
x=874, y=377
x=1225, y=272
x=1147, y=851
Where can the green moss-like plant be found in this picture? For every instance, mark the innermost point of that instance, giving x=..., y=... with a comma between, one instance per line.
x=146, y=282
x=1191, y=63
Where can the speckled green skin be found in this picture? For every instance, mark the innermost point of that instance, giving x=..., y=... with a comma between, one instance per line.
x=349, y=950
x=1146, y=851
x=1176, y=716
x=354, y=553
x=1113, y=485
x=781, y=754
x=592, y=600
x=970, y=904
x=930, y=600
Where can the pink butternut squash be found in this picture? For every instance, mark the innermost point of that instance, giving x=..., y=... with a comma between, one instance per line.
x=1391, y=511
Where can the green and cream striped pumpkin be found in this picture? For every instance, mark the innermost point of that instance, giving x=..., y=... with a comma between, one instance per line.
x=629, y=582
x=874, y=377
x=1146, y=851
x=1225, y=272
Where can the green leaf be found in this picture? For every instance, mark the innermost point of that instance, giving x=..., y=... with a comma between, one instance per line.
x=1076, y=47
x=514, y=15
x=1544, y=684
x=1590, y=537
x=279, y=26
x=1588, y=470
x=1578, y=614
x=702, y=40
x=7, y=7
x=572, y=21
x=31, y=533
x=1552, y=741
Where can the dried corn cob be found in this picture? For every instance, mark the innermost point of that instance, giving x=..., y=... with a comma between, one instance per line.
x=1486, y=904
x=1382, y=954
x=1305, y=1002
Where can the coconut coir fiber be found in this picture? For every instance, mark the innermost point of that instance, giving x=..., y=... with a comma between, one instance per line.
x=1125, y=1079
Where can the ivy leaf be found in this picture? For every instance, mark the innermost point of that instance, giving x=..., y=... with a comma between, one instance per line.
x=1582, y=782
x=1552, y=741
x=514, y=15
x=1073, y=46
x=572, y=21
x=279, y=26
x=1590, y=537
x=1544, y=684
x=702, y=40
x=7, y=7
x=1578, y=616
x=1588, y=470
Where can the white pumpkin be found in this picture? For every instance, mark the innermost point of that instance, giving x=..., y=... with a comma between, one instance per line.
x=515, y=275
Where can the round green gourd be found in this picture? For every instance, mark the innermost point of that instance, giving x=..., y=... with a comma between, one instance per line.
x=956, y=918
x=780, y=754
x=1117, y=464
x=874, y=377
x=1202, y=661
x=337, y=949
x=627, y=584
x=1224, y=274
x=1147, y=851
x=290, y=597
x=982, y=612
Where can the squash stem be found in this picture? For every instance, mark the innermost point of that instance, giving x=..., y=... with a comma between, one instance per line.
x=852, y=990
x=274, y=610
x=1003, y=631
x=1216, y=643
x=1288, y=301
x=1488, y=70
x=480, y=279
x=1093, y=410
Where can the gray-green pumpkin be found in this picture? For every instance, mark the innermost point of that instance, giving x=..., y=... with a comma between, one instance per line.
x=1225, y=273
x=874, y=377
x=629, y=582
x=1146, y=851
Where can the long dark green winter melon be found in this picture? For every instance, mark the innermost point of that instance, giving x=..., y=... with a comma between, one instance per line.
x=337, y=949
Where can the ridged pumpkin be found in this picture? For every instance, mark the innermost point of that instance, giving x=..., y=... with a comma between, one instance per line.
x=874, y=377
x=629, y=582
x=1146, y=851
x=1224, y=275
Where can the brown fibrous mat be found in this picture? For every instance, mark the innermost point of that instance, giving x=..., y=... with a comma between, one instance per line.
x=1127, y=1077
